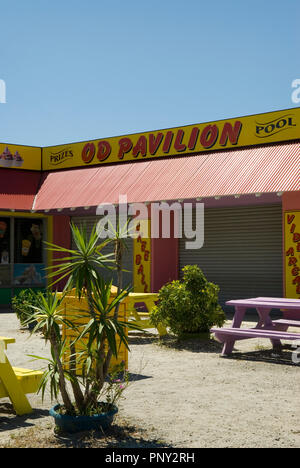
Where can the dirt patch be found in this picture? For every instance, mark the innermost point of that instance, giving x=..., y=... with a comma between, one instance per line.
x=182, y=395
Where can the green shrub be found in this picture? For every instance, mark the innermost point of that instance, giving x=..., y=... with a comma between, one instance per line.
x=22, y=304
x=190, y=305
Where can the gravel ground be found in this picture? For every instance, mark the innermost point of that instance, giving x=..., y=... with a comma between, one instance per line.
x=183, y=395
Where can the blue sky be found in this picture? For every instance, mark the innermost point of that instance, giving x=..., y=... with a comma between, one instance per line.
x=80, y=70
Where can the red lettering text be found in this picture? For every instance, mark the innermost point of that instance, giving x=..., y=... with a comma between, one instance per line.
x=125, y=146
x=292, y=261
x=209, y=136
x=138, y=259
x=231, y=133
x=88, y=152
x=146, y=255
x=193, y=138
x=154, y=142
x=178, y=145
x=290, y=218
x=104, y=150
x=167, y=142
x=296, y=237
x=140, y=147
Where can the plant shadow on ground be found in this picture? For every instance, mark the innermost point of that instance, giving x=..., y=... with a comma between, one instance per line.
x=195, y=345
x=12, y=421
x=281, y=357
x=119, y=435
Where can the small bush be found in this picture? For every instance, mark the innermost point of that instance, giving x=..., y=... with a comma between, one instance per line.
x=190, y=305
x=22, y=303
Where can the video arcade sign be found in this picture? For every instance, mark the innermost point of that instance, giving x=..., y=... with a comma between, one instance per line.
x=240, y=132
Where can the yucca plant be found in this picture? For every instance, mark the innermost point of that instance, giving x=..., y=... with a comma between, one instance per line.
x=103, y=333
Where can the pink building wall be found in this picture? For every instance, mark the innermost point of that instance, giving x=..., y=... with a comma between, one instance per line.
x=164, y=260
x=62, y=237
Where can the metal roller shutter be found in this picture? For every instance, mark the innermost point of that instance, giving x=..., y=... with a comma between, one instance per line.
x=242, y=251
x=89, y=222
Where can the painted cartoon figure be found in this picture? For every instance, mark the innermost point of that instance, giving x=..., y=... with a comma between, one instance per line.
x=29, y=276
x=32, y=245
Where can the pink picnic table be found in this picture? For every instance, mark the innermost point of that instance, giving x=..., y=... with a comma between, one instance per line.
x=275, y=330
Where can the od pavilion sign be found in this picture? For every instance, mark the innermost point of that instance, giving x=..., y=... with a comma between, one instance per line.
x=223, y=134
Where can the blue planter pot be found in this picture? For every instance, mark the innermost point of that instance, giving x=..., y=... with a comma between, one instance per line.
x=74, y=424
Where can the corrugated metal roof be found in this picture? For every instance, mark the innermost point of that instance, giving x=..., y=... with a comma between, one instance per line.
x=273, y=168
x=18, y=189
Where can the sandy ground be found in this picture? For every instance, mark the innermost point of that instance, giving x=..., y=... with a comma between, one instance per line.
x=183, y=394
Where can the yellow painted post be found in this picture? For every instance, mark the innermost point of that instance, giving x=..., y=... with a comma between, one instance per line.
x=292, y=253
x=12, y=385
x=142, y=258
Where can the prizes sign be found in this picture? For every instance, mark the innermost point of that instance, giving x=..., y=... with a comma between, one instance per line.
x=222, y=134
x=292, y=254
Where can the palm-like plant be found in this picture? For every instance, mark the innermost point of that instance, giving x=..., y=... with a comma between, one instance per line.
x=81, y=265
x=49, y=319
x=103, y=333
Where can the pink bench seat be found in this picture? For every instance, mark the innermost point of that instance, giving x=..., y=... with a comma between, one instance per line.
x=287, y=322
x=244, y=333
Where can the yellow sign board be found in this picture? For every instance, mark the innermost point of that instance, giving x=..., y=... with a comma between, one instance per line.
x=223, y=134
x=142, y=259
x=292, y=254
x=20, y=157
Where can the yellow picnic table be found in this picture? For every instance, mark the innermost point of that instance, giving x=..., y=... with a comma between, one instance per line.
x=141, y=318
x=132, y=307
x=16, y=382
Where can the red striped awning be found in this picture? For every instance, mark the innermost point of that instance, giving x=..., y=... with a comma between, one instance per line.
x=273, y=168
x=18, y=189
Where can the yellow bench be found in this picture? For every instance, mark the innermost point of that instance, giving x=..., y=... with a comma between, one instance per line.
x=16, y=382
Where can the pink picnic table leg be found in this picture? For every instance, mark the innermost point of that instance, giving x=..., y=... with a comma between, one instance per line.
x=266, y=322
x=236, y=323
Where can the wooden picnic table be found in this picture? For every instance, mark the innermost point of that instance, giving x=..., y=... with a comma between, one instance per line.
x=275, y=330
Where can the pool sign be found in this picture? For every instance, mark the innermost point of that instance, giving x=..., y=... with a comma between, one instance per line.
x=223, y=134
x=266, y=129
